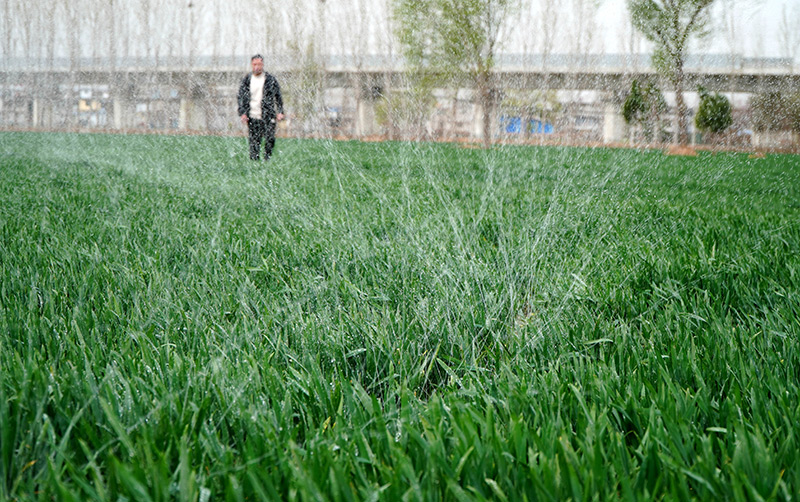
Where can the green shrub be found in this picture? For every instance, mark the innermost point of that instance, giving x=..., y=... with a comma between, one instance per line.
x=644, y=106
x=714, y=112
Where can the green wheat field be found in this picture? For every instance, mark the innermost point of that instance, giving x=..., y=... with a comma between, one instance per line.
x=395, y=321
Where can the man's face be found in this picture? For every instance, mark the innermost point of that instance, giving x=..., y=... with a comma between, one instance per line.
x=258, y=66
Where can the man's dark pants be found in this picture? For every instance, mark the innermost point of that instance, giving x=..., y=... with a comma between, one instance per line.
x=261, y=130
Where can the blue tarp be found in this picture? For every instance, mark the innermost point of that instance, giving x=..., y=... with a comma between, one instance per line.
x=513, y=125
x=539, y=127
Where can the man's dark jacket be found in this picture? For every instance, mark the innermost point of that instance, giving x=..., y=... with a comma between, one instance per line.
x=270, y=101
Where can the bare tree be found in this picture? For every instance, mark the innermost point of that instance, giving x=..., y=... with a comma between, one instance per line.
x=26, y=30
x=584, y=27
x=789, y=32
x=306, y=84
x=111, y=30
x=352, y=37
x=386, y=42
x=90, y=30
x=216, y=31
x=234, y=37
x=731, y=29
x=549, y=19
x=520, y=31
x=170, y=31
x=7, y=50
x=630, y=42
x=143, y=17
x=260, y=25
x=194, y=12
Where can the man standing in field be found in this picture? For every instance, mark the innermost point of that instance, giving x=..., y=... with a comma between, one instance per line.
x=260, y=107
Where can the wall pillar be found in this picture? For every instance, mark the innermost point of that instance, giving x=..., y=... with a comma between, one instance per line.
x=116, y=111
x=365, y=117
x=615, y=130
x=477, y=121
x=35, y=110
x=191, y=116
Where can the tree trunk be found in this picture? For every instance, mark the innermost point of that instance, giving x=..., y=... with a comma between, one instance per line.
x=74, y=40
x=216, y=35
x=451, y=134
x=51, y=41
x=112, y=39
x=485, y=93
x=681, y=134
x=7, y=31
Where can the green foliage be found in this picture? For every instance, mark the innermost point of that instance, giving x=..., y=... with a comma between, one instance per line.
x=450, y=37
x=543, y=105
x=670, y=25
x=634, y=105
x=643, y=102
x=395, y=321
x=775, y=111
x=446, y=40
x=644, y=106
x=714, y=112
x=406, y=109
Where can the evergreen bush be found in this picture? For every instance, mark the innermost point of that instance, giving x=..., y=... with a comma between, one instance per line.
x=714, y=113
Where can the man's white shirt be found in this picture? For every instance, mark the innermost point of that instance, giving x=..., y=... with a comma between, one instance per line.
x=256, y=94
